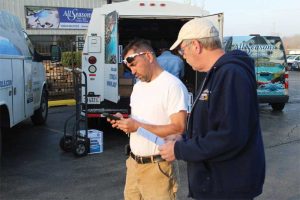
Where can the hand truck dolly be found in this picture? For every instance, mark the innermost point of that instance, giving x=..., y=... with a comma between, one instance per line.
x=76, y=140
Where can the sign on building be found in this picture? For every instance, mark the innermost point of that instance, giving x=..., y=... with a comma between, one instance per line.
x=57, y=18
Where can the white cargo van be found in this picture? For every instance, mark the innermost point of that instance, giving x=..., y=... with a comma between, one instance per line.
x=23, y=91
x=111, y=27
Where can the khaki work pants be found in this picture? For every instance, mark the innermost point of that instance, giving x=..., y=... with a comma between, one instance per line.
x=152, y=181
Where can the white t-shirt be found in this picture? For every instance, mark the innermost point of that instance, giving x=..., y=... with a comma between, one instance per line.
x=153, y=103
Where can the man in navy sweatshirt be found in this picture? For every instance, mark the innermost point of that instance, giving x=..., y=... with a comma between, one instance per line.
x=223, y=144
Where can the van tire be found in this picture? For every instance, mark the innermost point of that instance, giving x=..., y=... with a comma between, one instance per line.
x=40, y=115
x=277, y=106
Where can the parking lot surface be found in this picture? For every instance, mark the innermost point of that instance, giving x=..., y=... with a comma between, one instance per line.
x=33, y=167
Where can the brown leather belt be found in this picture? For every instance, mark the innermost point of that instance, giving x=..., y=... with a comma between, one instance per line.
x=147, y=159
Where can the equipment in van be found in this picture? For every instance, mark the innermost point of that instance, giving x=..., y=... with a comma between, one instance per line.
x=270, y=66
x=23, y=88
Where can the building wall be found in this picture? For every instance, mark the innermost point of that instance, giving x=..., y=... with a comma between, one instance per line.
x=16, y=7
x=293, y=51
x=60, y=82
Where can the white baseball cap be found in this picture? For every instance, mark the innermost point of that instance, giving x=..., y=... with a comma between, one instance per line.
x=196, y=28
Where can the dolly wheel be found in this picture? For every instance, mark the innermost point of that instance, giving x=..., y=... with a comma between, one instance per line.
x=65, y=143
x=80, y=148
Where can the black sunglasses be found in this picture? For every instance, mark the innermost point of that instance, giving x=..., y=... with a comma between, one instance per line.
x=130, y=59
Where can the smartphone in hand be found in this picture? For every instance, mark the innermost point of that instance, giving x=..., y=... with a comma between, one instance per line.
x=110, y=116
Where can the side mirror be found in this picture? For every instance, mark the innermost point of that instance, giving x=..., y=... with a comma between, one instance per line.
x=55, y=53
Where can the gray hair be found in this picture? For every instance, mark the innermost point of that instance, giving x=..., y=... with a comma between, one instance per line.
x=210, y=43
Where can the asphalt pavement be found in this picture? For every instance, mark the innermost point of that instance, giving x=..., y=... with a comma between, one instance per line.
x=33, y=166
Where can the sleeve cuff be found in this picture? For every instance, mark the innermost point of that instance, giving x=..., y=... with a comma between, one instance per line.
x=177, y=151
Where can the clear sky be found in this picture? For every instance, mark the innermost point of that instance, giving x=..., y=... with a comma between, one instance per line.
x=265, y=17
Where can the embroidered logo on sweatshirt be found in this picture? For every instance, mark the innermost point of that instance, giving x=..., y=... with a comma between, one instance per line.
x=204, y=95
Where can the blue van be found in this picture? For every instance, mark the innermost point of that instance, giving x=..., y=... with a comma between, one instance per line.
x=270, y=66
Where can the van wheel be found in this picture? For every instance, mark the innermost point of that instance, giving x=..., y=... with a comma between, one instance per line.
x=277, y=106
x=40, y=115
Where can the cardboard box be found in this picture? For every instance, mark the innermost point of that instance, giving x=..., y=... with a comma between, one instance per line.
x=125, y=90
x=125, y=81
x=96, y=140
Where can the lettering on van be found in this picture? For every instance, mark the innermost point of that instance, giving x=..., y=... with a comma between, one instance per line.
x=113, y=76
x=5, y=83
x=111, y=83
x=29, y=99
x=113, y=69
x=254, y=48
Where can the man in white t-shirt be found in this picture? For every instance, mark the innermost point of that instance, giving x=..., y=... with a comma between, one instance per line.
x=158, y=104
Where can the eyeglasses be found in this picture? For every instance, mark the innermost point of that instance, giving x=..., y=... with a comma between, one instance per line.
x=130, y=59
x=181, y=50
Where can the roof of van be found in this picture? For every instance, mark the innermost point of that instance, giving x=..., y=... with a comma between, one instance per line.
x=11, y=33
x=9, y=21
x=152, y=8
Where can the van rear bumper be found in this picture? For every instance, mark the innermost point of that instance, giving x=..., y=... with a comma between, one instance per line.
x=273, y=99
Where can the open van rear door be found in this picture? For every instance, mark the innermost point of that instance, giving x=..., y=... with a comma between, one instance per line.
x=111, y=53
x=111, y=57
x=218, y=21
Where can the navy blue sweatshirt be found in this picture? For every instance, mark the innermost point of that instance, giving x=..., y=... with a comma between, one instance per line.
x=223, y=146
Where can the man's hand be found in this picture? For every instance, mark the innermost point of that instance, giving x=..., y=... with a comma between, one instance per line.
x=127, y=125
x=167, y=151
x=114, y=122
x=174, y=137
